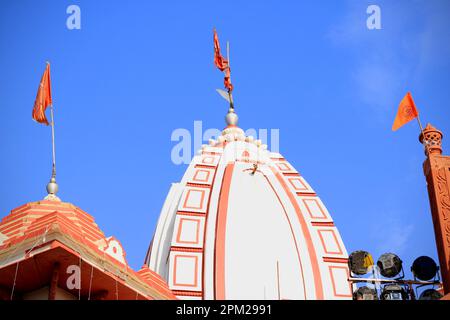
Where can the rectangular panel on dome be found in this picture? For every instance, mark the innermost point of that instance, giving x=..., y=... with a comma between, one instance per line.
x=341, y=286
x=284, y=167
x=194, y=200
x=315, y=209
x=185, y=271
x=209, y=160
x=300, y=185
x=188, y=231
x=330, y=242
x=202, y=176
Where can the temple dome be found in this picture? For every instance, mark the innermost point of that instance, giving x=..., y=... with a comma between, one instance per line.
x=244, y=224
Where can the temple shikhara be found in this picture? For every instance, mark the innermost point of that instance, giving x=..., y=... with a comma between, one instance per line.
x=242, y=223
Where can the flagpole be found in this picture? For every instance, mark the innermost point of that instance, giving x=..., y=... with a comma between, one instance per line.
x=53, y=143
x=229, y=91
x=52, y=186
x=228, y=56
x=424, y=142
x=420, y=124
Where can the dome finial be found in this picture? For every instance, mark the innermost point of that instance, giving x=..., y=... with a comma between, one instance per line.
x=231, y=118
x=52, y=188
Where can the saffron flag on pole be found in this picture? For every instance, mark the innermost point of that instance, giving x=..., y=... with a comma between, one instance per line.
x=221, y=63
x=43, y=97
x=406, y=112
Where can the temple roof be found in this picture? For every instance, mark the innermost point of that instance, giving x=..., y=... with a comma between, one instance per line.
x=42, y=226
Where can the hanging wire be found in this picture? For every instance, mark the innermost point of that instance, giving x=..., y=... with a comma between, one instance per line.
x=34, y=245
x=26, y=253
x=14, y=284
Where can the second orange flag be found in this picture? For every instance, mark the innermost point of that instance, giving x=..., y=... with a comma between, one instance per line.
x=406, y=112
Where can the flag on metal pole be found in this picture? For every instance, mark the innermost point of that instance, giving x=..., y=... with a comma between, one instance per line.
x=406, y=112
x=43, y=98
x=222, y=63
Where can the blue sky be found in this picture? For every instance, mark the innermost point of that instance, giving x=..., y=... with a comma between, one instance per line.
x=138, y=70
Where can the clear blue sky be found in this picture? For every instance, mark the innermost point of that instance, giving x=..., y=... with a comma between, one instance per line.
x=137, y=70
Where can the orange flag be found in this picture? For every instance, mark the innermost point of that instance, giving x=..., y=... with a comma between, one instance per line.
x=43, y=98
x=406, y=112
x=221, y=63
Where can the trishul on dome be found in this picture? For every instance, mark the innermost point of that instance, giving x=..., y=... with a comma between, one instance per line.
x=223, y=64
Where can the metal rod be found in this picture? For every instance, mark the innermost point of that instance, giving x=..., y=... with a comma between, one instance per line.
x=229, y=67
x=421, y=130
x=53, y=143
x=390, y=281
x=420, y=124
x=424, y=142
x=228, y=54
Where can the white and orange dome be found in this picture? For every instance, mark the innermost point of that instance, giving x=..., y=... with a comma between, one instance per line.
x=244, y=224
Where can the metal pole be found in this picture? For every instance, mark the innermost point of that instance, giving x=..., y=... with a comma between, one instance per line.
x=393, y=281
x=420, y=124
x=228, y=56
x=53, y=143
x=229, y=91
x=52, y=186
x=425, y=142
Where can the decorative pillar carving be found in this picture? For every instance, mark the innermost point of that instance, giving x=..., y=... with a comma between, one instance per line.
x=437, y=172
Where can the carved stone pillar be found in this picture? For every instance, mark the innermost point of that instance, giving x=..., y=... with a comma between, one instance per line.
x=437, y=172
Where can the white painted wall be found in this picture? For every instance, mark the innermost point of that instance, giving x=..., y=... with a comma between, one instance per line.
x=259, y=236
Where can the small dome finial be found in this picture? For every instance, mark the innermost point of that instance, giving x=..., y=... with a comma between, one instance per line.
x=431, y=138
x=52, y=189
x=231, y=118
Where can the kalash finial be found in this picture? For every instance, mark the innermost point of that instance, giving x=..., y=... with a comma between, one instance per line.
x=231, y=118
x=52, y=188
